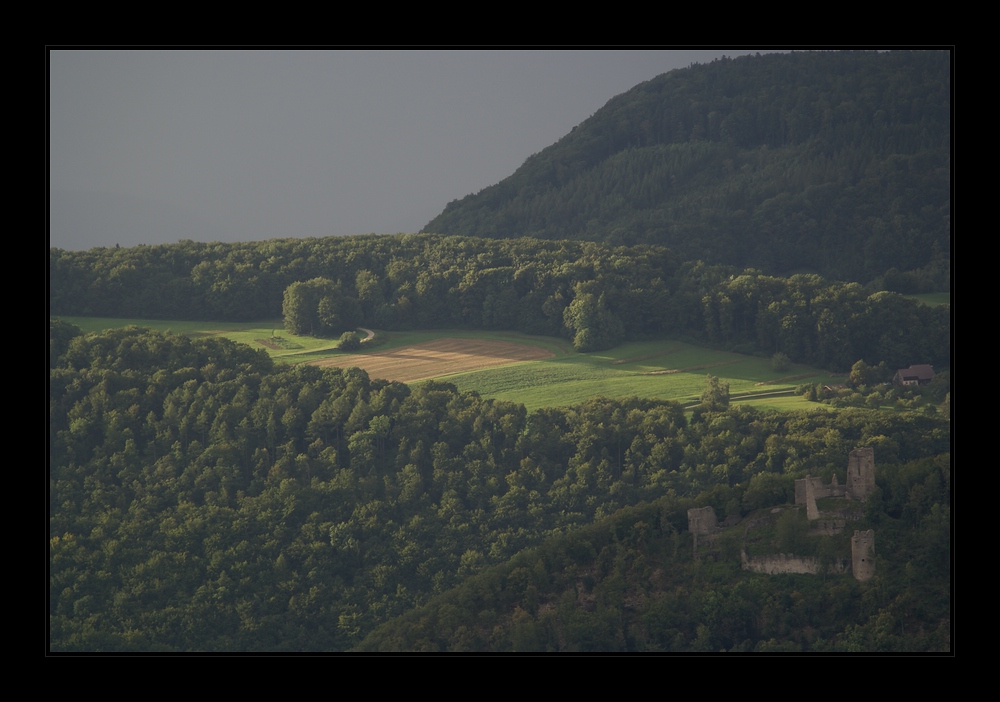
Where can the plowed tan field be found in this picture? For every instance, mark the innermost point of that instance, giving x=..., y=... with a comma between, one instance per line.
x=439, y=357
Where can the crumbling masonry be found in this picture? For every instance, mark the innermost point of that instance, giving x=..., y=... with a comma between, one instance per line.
x=860, y=480
x=861, y=473
x=860, y=484
x=863, y=554
x=701, y=520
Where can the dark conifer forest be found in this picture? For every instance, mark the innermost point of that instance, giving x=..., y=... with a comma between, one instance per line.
x=203, y=497
x=838, y=162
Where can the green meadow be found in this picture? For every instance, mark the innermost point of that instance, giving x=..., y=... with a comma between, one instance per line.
x=299, y=349
x=933, y=299
x=667, y=370
x=249, y=333
x=663, y=369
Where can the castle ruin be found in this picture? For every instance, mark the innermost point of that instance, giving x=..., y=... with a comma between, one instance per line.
x=861, y=473
x=701, y=520
x=860, y=484
x=787, y=563
x=863, y=554
x=862, y=565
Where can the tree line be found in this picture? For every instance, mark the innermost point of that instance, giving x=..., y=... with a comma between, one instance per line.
x=595, y=294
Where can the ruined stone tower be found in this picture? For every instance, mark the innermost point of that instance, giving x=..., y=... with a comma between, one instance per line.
x=863, y=554
x=701, y=520
x=861, y=473
x=812, y=513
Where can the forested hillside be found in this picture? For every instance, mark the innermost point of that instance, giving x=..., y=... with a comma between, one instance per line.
x=838, y=162
x=630, y=582
x=205, y=498
x=202, y=499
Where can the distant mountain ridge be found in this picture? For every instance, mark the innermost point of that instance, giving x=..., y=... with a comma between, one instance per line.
x=837, y=162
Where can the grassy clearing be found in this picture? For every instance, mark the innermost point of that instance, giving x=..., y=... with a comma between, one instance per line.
x=95, y=324
x=933, y=299
x=249, y=333
x=668, y=370
x=279, y=343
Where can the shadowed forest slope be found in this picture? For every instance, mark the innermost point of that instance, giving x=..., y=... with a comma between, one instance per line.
x=837, y=162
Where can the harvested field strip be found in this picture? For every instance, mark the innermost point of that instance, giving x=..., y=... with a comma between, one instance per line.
x=751, y=395
x=210, y=332
x=692, y=368
x=622, y=361
x=440, y=357
x=786, y=379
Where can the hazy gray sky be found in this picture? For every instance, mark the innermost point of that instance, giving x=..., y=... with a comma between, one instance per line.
x=156, y=146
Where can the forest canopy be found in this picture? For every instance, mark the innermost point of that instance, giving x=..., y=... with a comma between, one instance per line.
x=203, y=499
x=837, y=162
x=318, y=307
x=594, y=294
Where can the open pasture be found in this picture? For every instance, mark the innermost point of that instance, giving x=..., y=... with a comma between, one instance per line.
x=933, y=299
x=668, y=370
x=531, y=370
x=257, y=335
x=445, y=356
x=96, y=324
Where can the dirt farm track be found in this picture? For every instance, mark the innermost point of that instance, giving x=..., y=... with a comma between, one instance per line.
x=439, y=357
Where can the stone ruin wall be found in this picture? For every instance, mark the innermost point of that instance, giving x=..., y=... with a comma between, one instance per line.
x=863, y=554
x=812, y=512
x=860, y=482
x=827, y=527
x=861, y=473
x=701, y=520
x=788, y=563
x=818, y=488
x=861, y=565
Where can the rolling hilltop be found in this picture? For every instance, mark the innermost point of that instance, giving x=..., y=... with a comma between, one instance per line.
x=836, y=162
